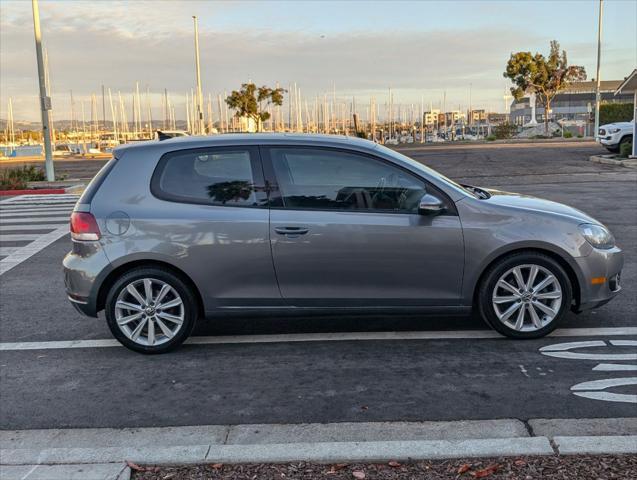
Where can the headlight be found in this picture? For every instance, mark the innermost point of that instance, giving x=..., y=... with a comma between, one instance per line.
x=613, y=130
x=597, y=236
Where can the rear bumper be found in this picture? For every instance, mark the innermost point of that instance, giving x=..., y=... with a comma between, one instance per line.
x=600, y=264
x=84, y=268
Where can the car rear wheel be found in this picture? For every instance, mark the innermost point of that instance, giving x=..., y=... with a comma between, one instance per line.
x=525, y=295
x=150, y=310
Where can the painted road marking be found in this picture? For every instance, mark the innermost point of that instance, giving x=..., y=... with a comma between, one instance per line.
x=19, y=237
x=320, y=337
x=562, y=350
x=46, y=213
x=584, y=389
x=32, y=213
x=65, y=218
x=43, y=241
x=596, y=389
x=615, y=367
x=14, y=228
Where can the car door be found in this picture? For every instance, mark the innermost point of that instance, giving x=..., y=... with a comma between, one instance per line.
x=345, y=232
x=212, y=219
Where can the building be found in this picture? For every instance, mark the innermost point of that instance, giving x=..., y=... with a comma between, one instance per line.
x=576, y=103
x=477, y=117
x=432, y=117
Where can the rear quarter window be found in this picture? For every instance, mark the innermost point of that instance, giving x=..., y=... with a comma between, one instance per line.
x=228, y=176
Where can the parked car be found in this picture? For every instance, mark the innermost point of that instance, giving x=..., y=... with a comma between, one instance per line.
x=613, y=135
x=173, y=231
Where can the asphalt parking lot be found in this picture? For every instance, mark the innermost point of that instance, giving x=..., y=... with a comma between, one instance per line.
x=320, y=379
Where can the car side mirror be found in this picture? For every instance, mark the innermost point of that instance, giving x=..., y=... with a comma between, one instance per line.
x=430, y=205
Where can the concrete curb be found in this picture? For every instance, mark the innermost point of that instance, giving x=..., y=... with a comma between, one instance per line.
x=596, y=444
x=321, y=452
x=608, y=160
x=26, y=454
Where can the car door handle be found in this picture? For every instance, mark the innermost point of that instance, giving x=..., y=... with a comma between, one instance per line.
x=291, y=230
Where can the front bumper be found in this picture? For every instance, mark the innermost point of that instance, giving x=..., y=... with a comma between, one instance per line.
x=84, y=268
x=600, y=264
x=610, y=140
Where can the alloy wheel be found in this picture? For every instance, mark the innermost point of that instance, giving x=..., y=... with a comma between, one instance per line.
x=526, y=298
x=149, y=311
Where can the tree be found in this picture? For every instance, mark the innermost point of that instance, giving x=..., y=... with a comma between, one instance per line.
x=545, y=77
x=250, y=101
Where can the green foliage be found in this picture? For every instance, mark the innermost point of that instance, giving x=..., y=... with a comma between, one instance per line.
x=615, y=112
x=491, y=138
x=544, y=76
x=579, y=135
x=505, y=130
x=250, y=101
x=626, y=149
x=17, y=178
x=568, y=134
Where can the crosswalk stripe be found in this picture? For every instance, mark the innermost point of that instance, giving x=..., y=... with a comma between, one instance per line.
x=29, y=207
x=37, y=220
x=19, y=237
x=4, y=251
x=13, y=228
x=40, y=220
x=35, y=213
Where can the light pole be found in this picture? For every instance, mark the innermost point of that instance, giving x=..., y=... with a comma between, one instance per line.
x=599, y=55
x=200, y=123
x=45, y=100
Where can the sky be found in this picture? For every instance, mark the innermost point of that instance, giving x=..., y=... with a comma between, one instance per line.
x=422, y=50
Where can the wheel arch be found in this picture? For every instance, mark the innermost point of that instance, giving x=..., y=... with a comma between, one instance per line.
x=118, y=271
x=559, y=257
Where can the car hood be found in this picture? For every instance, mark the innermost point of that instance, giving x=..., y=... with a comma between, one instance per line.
x=622, y=125
x=529, y=203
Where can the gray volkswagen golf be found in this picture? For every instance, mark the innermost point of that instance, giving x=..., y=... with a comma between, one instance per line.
x=173, y=231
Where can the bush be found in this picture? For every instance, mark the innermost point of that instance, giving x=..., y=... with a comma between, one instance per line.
x=625, y=149
x=568, y=134
x=17, y=178
x=505, y=130
x=491, y=138
x=579, y=135
x=615, y=112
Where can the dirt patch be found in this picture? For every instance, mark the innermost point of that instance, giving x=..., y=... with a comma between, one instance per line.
x=599, y=467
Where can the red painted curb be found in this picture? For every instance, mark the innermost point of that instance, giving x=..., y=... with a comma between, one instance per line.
x=40, y=191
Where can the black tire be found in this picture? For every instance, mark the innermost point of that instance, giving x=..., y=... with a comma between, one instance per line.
x=499, y=268
x=190, y=307
x=625, y=139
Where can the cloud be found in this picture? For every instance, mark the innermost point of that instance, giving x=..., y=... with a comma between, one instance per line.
x=118, y=43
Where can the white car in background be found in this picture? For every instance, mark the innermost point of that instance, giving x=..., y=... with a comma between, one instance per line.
x=613, y=135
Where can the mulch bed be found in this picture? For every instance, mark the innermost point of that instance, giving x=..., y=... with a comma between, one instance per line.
x=580, y=467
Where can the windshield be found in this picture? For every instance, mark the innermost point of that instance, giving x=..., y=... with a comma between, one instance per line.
x=429, y=171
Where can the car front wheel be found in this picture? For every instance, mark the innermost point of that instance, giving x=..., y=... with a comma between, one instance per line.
x=150, y=310
x=525, y=295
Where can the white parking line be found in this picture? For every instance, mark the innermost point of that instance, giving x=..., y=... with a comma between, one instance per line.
x=320, y=337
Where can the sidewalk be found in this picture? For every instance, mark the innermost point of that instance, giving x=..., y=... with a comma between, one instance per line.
x=102, y=453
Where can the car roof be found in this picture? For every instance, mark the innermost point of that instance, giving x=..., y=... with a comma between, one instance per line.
x=230, y=139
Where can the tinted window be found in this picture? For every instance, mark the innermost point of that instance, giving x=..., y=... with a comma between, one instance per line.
x=218, y=177
x=325, y=179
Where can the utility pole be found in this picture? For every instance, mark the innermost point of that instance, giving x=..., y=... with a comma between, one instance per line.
x=45, y=100
x=599, y=56
x=200, y=129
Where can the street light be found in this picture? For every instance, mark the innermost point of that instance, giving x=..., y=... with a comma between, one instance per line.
x=599, y=54
x=45, y=100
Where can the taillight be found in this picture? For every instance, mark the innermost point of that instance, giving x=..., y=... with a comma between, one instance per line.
x=84, y=226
